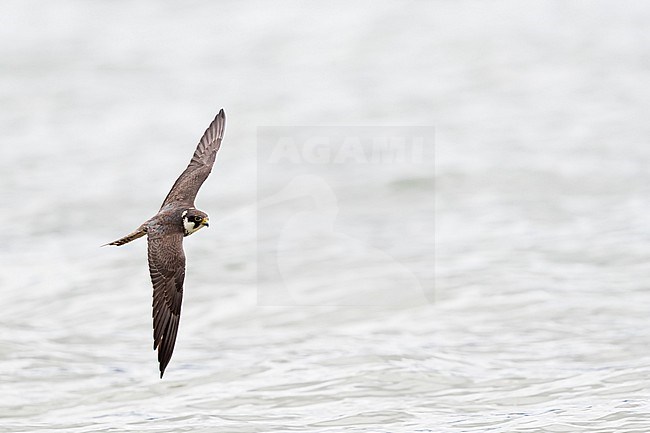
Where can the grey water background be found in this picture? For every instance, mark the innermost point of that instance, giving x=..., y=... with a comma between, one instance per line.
x=534, y=319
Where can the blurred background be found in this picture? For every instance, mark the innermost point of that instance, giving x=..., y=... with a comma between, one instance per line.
x=537, y=319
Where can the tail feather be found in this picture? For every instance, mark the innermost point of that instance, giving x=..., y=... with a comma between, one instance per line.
x=141, y=231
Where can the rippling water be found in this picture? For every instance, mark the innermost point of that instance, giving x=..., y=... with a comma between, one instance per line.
x=310, y=302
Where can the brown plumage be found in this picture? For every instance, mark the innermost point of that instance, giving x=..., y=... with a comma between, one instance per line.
x=165, y=231
x=188, y=183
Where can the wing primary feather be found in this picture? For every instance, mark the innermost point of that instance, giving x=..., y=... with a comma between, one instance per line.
x=188, y=183
x=167, y=270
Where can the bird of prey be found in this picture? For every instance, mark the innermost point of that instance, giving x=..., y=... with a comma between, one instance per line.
x=165, y=231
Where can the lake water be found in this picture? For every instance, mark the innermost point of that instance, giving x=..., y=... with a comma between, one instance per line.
x=491, y=277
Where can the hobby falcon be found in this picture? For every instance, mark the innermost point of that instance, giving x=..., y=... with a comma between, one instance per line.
x=176, y=219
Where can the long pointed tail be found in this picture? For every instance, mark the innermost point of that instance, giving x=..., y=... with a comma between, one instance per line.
x=141, y=231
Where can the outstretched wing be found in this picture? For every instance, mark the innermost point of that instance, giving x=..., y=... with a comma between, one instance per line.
x=187, y=185
x=167, y=270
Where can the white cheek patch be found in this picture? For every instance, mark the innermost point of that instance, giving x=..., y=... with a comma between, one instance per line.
x=188, y=226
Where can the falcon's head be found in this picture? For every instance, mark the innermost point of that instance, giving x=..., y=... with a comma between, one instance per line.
x=193, y=220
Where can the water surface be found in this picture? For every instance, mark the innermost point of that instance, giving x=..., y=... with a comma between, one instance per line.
x=537, y=319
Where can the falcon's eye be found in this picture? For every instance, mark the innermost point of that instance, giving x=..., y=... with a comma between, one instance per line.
x=197, y=218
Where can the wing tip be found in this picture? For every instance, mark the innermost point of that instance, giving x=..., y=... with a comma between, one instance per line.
x=221, y=115
x=220, y=118
x=219, y=123
x=162, y=365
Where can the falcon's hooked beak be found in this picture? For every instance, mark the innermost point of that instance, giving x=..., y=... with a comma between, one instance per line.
x=205, y=222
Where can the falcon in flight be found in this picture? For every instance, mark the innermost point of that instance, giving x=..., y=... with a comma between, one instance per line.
x=165, y=231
